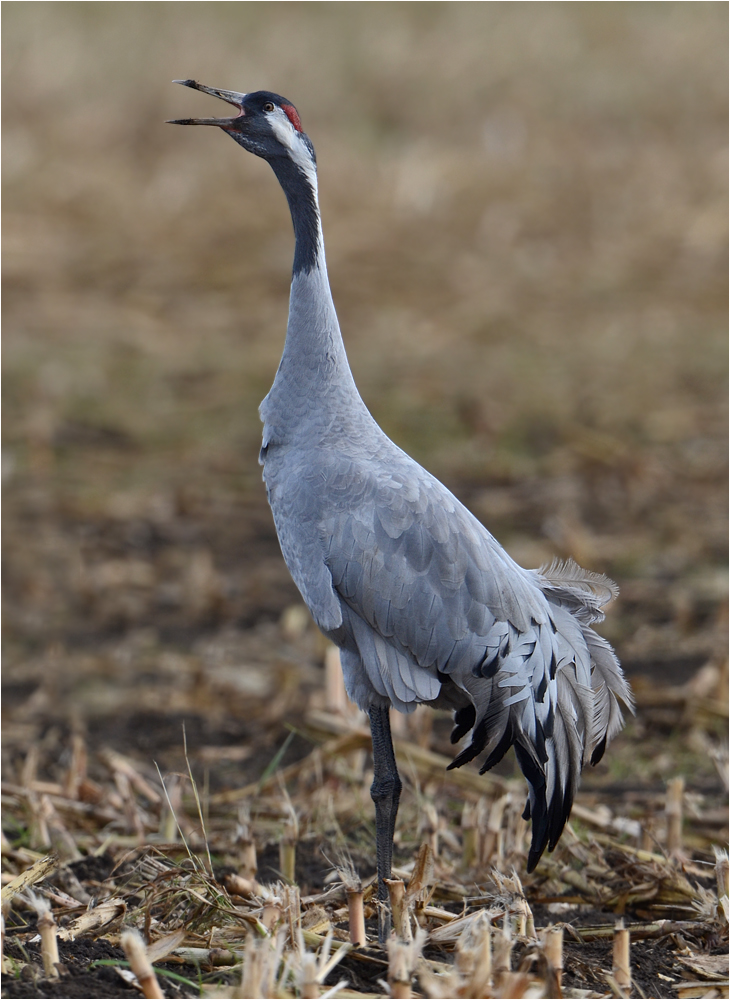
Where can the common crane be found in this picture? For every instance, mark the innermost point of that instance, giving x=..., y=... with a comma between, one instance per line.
x=423, y=603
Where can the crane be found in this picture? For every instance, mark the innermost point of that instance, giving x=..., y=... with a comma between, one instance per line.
x=424, y=604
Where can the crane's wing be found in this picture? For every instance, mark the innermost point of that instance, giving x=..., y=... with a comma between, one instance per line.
x=409, y=560
x=427, y=592
x=421, y=581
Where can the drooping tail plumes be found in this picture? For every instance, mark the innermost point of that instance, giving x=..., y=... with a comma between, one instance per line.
x=554, y=691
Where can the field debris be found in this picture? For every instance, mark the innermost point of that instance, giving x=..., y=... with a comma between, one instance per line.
x=139, y=962
x=621, y=971
x=49, y=941
x=588, y=922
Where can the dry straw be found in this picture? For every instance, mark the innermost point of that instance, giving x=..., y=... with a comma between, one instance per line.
x=356, y=916
x=673, y=810
x=469, y=835
x=552, y=942
x=473, y=958
x=403, y=958
x=248, y=863
x=621, y=970
x=49, y=941
x=288, y=850
x=37, y=872
x=429, y=826
x=134, y=949
x=336, y=699
x=492, y=840
x=399, y=908
x=261, y=960
x=502, y=955
x=355, y=900
x=721, y=876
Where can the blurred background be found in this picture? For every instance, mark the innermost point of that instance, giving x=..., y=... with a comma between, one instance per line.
x=524, y=207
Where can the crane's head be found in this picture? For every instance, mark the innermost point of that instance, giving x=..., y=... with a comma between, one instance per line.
x=266, y=124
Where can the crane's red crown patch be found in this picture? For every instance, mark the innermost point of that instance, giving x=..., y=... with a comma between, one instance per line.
x=291, y=113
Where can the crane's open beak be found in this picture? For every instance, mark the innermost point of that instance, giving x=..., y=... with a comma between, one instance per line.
x=225, y=95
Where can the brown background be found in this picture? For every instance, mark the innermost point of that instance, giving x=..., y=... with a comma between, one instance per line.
x=525, y=214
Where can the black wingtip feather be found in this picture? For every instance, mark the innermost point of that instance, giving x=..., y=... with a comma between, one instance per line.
x=533, y=858
x=499, y=751
x=478, y=742
x=464, y=719
x=548, y=819
x=599, y=751
x=537, y=805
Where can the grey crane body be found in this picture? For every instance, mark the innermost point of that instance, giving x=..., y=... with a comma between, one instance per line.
x=423, y=602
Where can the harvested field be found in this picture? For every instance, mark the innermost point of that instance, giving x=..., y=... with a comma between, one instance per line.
x=525, y=213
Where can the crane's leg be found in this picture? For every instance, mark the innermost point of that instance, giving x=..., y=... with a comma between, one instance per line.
x=385, y=792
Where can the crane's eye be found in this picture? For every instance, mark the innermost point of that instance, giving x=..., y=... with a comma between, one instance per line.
x=268, y=106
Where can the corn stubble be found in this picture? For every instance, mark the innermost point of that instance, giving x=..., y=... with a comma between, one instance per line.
x=464, y=924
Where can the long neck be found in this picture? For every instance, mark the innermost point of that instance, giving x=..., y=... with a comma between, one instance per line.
x=314, y=360
x=300, y=187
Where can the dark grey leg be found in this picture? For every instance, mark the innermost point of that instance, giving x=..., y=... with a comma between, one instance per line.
x=385, y=792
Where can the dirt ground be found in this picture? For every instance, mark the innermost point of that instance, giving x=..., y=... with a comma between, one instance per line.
x=525, y=215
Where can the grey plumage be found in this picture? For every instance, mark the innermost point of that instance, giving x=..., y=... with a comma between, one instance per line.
x=424, y=604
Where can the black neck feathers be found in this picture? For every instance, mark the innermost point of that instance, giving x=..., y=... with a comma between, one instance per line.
x=304, y=209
